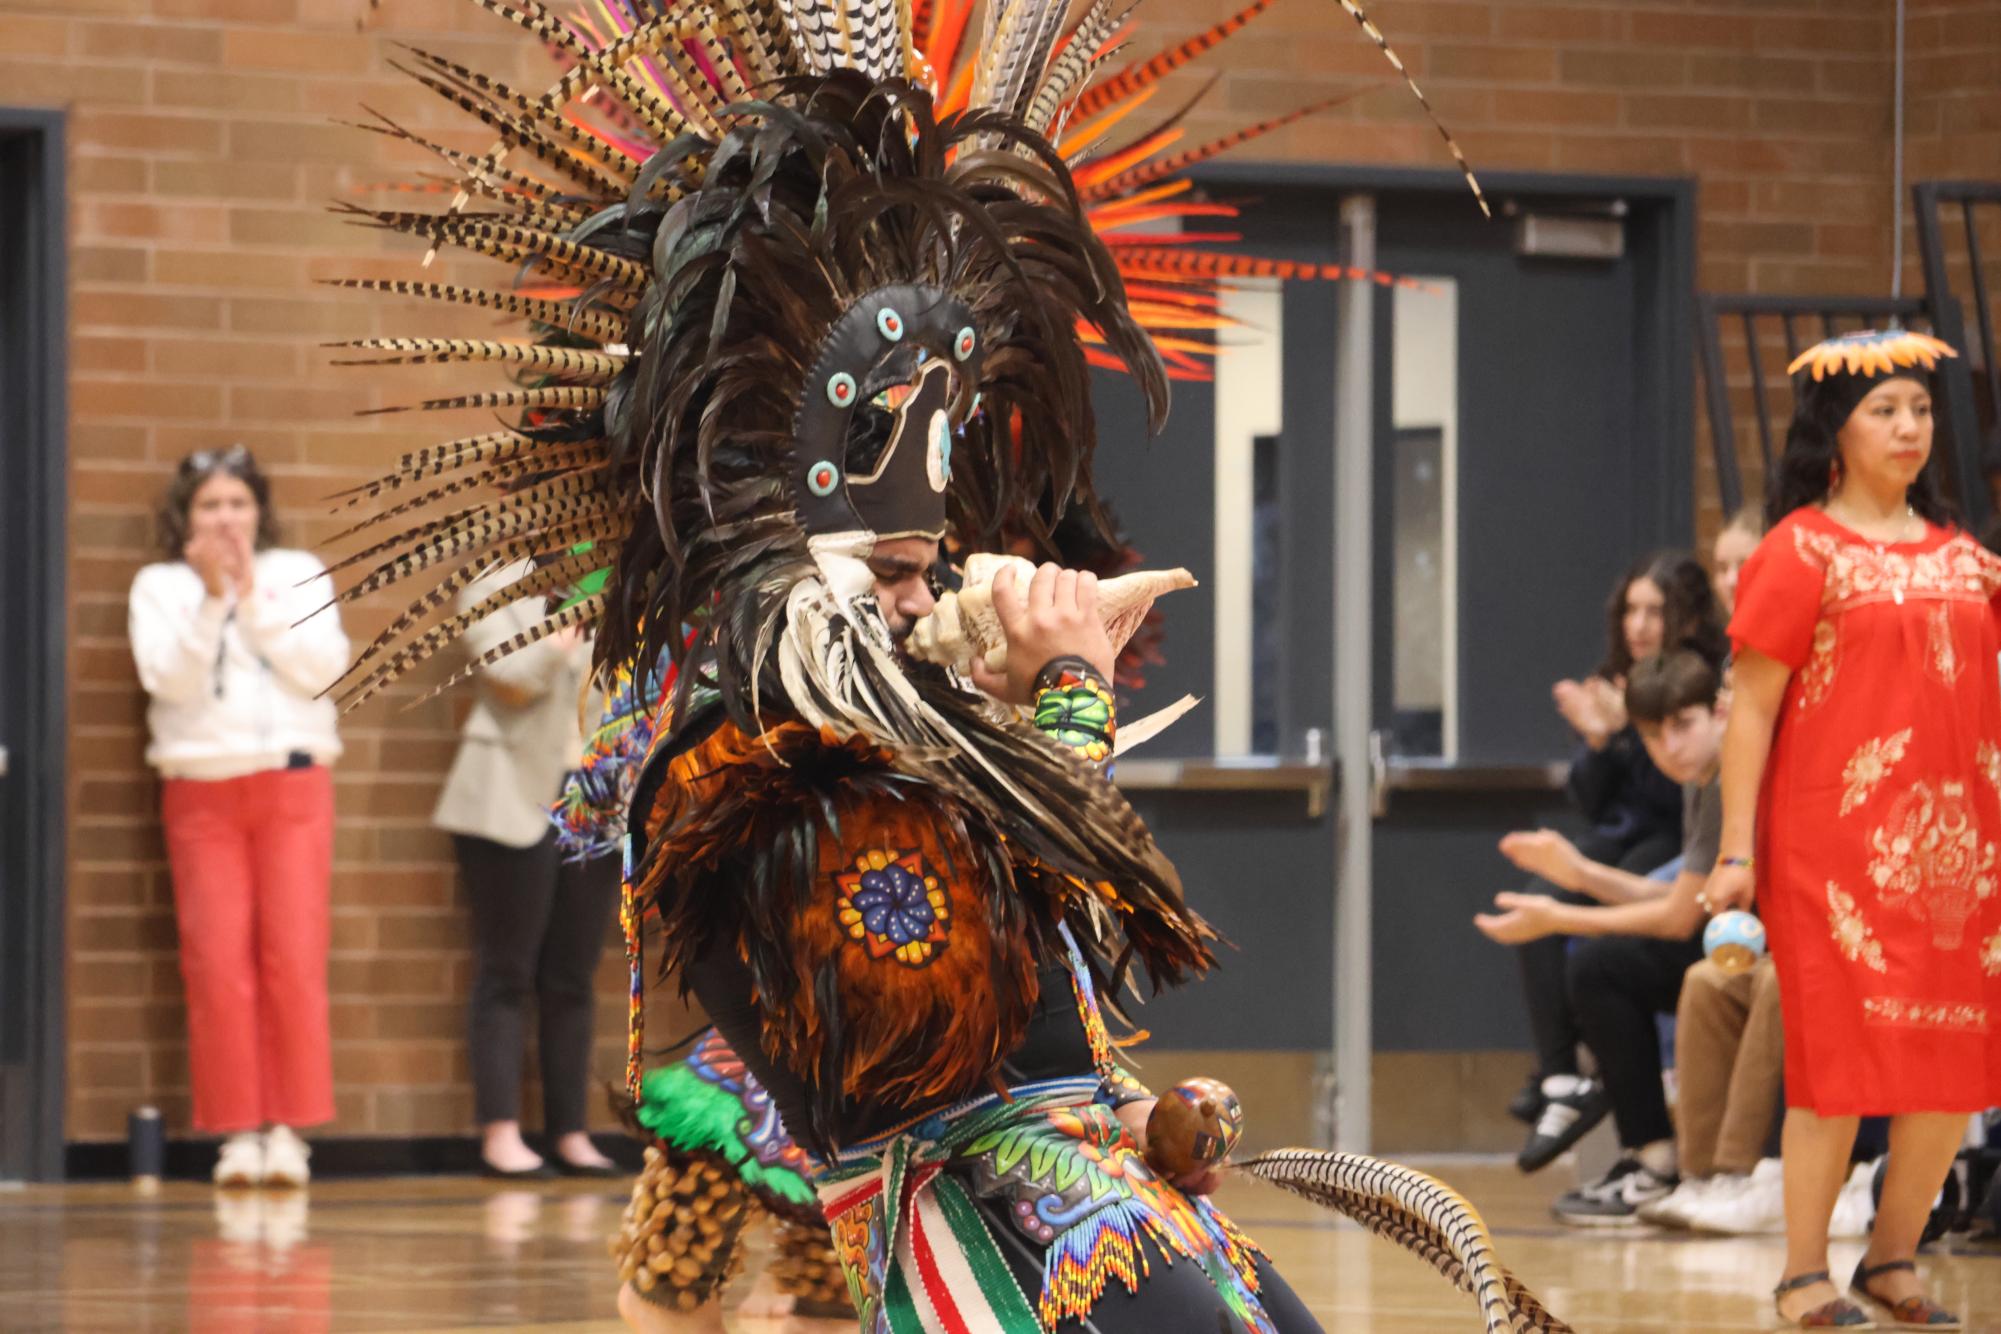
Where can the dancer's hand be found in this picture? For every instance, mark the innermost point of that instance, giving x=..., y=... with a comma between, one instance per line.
x=1054, y=616
x=1729, y=887
x=1546, y=853
x=1133, y=1116
x=1523, y=917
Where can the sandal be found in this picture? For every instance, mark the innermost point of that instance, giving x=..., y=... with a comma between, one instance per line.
x=1910, y=1313
x=1837, y=1314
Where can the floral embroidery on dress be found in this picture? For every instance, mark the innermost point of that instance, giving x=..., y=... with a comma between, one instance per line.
x=1990, y=954
x=1857, y=943
x=1900, y=1012
x=1861, y=572
x=1931, y=859
x=1988, y=757
x=1870, y=766
x=1816, y=679
x=1942, y=657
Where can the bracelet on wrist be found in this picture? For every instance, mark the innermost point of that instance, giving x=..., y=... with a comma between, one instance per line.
x=1746, y=863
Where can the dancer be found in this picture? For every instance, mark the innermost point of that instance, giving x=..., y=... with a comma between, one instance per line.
x=788, y=347
x=1859, y=784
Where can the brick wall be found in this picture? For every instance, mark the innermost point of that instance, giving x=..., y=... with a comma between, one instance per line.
x=201, y=160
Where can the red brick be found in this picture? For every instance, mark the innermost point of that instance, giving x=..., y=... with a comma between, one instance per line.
x=1631, y=70
x=1678, y=28
x=152, y=43
x=299, y=52
x=1511, y=64
x=22, y=35
x=151, y=133
x=1564, y=108
x=1564, y=24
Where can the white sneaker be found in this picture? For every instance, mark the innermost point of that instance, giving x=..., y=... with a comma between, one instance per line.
x=1755, y=1208
x=1855, y=1207
x=285, y=1157
x=241, y=1162
x=1674, y=1209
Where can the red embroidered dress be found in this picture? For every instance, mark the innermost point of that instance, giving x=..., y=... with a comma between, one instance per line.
x=1881, y=809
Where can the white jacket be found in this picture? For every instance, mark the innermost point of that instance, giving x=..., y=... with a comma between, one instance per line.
x=235, y=686
x=523, y=734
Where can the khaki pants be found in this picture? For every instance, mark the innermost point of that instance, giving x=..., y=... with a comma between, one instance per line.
x=1729, y=1059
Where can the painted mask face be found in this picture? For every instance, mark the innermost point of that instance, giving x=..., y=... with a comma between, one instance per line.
x=892, y=387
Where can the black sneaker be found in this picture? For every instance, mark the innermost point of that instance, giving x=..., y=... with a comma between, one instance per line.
x=1527, y=1104
x=1563, y=1122
x=1614, y=1200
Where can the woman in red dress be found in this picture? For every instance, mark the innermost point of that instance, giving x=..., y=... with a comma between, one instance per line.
x=1861, y=767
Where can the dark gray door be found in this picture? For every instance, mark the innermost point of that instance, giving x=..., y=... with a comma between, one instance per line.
x=1500, y=520
x=32, y=504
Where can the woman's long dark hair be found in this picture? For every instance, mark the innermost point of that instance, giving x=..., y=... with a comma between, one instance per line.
x=1690, y=616
x=196, y=469
x=1804, y=471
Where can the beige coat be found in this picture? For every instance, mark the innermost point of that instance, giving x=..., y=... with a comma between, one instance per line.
x=523, y=734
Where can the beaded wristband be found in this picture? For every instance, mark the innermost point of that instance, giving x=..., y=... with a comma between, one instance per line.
x=1746, y=862
x=1074, y=705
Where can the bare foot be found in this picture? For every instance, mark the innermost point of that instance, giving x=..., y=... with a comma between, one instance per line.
x=765, y=1301
x=644, y=1317
x=577, y=1150
x=504, y=1150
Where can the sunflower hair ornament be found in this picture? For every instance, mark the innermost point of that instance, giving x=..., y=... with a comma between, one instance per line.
x=1870, y=353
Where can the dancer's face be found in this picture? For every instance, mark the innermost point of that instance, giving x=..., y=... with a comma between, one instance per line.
x=1686, y=744
x=902, y=570
x=1888, y=438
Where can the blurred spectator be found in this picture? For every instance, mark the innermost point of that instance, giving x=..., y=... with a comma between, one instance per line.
x=1734, y=546
x=235, y=641
x=539, y=923
x=1641, y=934
x=1634, y=812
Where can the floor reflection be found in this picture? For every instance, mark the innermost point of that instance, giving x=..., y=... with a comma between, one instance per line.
x=450, y=1254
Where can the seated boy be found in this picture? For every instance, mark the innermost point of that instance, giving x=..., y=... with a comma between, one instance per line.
x=1637, y=941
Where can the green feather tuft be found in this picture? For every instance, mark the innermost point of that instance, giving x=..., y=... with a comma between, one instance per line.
x=689, y=1112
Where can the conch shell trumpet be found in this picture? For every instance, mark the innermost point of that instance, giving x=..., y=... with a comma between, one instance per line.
x=965, y=627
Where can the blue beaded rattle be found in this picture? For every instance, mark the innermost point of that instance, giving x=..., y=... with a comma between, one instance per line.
x=1734, y=941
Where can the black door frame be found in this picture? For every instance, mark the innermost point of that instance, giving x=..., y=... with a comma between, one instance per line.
x=34, y=338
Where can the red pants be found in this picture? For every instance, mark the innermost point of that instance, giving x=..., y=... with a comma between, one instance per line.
x=253, y=863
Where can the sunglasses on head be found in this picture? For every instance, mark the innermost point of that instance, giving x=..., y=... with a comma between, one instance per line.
x=202, y=460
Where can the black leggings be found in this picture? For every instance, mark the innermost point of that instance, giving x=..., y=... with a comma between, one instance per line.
x=1551, y=1018
x=539, y=926
x=1617, y=985
x=1173, y=1298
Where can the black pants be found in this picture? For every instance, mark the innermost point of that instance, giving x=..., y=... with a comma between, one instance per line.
x=1543, y=969
x=539, y=926
x=1173, y=1298
x=1617, y=985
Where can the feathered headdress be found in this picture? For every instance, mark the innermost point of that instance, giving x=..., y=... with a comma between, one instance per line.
x=790, y=267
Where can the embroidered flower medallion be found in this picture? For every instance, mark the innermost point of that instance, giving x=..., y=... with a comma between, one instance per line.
x=894, y=904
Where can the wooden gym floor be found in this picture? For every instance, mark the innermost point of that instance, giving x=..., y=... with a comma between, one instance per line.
x=442, y=1254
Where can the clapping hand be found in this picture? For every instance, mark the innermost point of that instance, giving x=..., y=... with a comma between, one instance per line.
x=225, y=560
x=1523, y=918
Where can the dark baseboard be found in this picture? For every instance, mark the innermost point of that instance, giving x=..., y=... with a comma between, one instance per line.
x=333, y=1156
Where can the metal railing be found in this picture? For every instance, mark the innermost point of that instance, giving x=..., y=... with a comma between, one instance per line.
x=1935, y=203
